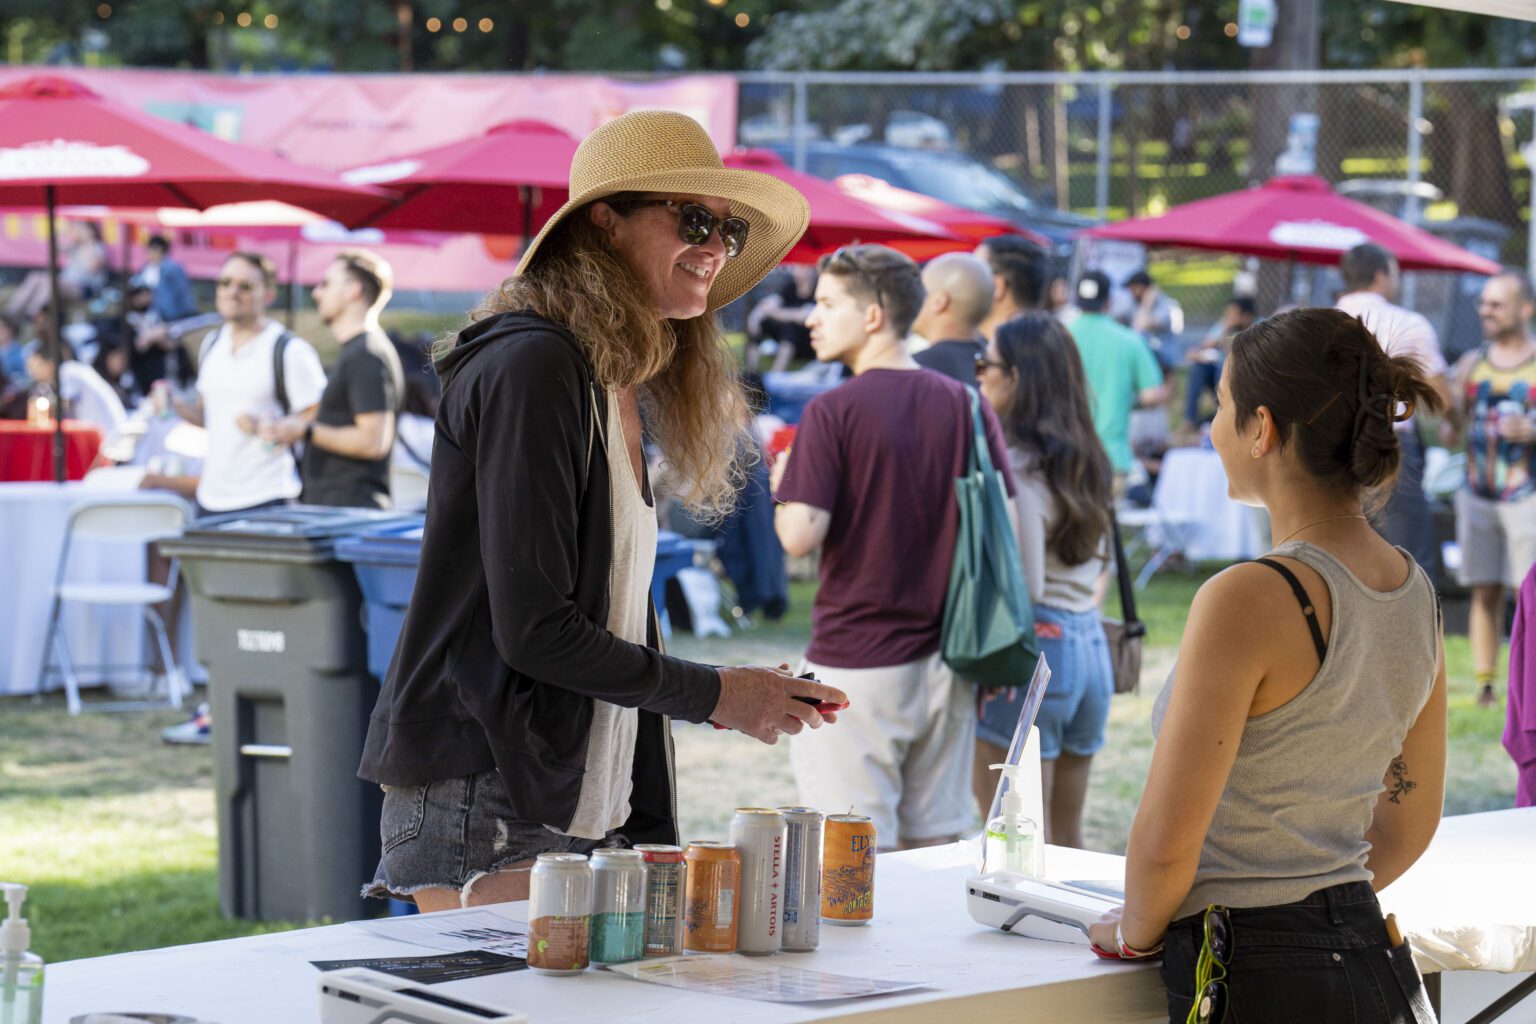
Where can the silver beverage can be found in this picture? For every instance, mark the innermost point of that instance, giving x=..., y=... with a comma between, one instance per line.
x=758, y=834
x=559, y=914
x=802, y=878
x=663, y=899
x=618, y=906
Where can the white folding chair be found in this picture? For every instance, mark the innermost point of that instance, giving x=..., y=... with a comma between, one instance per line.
x=1155, y=531
x=128, y=525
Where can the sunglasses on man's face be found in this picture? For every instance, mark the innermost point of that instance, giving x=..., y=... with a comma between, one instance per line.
x=243, y=287
x=696, y=222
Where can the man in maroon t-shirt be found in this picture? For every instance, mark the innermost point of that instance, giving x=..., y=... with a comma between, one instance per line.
x=871, y=480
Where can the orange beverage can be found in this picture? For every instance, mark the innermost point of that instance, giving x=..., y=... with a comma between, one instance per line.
x=710, y=905
x=848, y=870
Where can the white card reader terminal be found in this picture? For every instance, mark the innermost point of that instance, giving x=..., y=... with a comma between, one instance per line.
x=358, y=995
x=1042, y=909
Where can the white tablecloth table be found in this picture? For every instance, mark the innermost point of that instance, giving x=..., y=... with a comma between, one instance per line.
x=1467, y=906
x=33, y=517
x=921, y=932
x=1191, y=493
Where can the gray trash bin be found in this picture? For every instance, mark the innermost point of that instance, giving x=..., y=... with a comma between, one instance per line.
x=278, y=622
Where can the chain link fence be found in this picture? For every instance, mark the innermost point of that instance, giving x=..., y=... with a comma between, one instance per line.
x=1448, y=149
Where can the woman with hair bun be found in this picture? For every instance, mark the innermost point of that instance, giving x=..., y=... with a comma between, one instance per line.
x=1300, y=758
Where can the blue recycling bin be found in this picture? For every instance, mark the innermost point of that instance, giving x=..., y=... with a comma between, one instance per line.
x=384, y=562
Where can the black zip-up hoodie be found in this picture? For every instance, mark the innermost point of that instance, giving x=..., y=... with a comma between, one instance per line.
x=504, y=646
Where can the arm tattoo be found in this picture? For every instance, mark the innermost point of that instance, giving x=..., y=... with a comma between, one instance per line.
x=1399, y=784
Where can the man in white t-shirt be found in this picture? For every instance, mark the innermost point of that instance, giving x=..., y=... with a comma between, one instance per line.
x=1372, y=277
x=238, y=392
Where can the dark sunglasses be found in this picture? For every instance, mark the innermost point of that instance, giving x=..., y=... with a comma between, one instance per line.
x=983, y=364
x=244, y=287
x=1211, y=968
x=696, y=222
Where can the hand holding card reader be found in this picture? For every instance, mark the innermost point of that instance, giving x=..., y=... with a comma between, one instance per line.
x=360, y=996
x=1036, y=907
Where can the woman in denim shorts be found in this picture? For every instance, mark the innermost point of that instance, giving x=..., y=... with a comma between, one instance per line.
x=528, y=705
x=1300, y=758
x=1034, y=378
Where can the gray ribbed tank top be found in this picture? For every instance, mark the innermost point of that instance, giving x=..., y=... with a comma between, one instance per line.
x=1303, y=788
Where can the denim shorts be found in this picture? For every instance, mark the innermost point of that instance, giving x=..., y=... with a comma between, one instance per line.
x=1076, y=706
x=1323, y=958
x=450, y=832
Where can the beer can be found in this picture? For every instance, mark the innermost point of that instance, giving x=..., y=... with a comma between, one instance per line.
x=802, y=878
x=758, y=833
x=618, y=906
x=559, y=913
x=709, y=908
x=848, y=870
x=663, y=899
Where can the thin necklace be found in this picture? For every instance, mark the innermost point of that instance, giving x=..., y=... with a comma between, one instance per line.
x=1315, y=522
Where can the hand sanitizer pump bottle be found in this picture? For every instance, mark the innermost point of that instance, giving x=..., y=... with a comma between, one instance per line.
x=1013, y=842
x=21, y=985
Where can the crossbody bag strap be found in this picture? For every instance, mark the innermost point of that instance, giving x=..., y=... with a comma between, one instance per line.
x=1133, y=625
x=279, y=373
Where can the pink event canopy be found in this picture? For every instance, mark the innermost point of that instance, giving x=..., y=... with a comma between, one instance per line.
x=1293, y=218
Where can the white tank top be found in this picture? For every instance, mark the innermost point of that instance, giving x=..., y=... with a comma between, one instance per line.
x=605, y=788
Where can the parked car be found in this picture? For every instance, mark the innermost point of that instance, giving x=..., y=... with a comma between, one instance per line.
x=954, y=177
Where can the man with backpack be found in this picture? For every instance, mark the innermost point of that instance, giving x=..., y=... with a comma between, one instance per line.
x=251, y=372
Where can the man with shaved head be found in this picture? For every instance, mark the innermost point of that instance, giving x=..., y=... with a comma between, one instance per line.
x=958, y=299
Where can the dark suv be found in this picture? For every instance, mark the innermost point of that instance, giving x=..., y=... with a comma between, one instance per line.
x=956, y=178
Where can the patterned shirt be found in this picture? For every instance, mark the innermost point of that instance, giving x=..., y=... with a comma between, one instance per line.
x=1498, y=469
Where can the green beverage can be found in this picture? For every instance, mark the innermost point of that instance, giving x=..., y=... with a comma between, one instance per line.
x=618, y=906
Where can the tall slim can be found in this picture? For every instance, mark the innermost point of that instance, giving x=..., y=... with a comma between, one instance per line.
x=802, y=878
x=758, y=833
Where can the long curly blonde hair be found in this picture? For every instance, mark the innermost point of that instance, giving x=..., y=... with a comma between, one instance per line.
x=690, y=394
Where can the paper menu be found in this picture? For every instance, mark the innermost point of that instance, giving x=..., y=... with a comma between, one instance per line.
x=454, y=931
x=748, y=978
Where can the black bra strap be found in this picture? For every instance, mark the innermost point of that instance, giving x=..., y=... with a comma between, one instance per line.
x=1305, y=602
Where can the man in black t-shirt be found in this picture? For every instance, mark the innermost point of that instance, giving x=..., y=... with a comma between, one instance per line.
x=958, y=297
x=349, y=438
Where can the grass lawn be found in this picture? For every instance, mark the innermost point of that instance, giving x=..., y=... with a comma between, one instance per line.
x=115, y=833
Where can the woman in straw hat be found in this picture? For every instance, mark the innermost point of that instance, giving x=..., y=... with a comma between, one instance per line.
x=527, y=709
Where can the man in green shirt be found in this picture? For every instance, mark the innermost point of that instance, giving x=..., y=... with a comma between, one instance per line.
x=1122, y=373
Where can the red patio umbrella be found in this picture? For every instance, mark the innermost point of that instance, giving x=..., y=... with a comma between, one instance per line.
x=972, y=225
x=508, y=181
x=1294, y=218
x=839, y=219
x=61, y=143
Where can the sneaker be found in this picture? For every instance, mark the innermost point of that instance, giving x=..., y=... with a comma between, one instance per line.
x=196, y=730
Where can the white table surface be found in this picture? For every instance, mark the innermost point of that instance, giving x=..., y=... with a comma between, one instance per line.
x=33, y=517
x=921, y=931
x=1467, y=905
x=1192, y=489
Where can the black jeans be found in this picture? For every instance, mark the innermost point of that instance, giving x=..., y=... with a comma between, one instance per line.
x=1324, y=959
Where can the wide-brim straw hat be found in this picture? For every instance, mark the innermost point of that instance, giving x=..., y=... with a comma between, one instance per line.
x=665, y=151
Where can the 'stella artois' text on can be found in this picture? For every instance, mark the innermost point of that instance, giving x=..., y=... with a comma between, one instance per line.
x=758, y=833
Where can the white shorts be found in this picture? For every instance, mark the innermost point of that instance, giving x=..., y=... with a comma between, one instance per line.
x=900, y=754
x=1497, y=539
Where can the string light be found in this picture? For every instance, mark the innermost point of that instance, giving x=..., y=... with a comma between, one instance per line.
x=486, y=24
x=460, y=24
x=1231, y=30
x=218, y=17
x=270, y=21
x=434, y=24
x=104, y=11
x=743, y=19
x=244, y=21
x=1182, y=32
